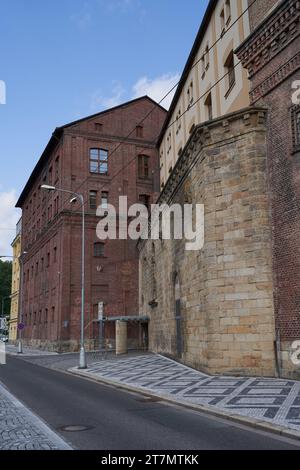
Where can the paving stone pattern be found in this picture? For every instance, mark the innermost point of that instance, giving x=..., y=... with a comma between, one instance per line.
x=273, y=400
x=22, y=430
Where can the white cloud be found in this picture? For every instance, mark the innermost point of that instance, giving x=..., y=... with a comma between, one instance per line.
x=9, y=216
x=98, y=101
x=157, y=88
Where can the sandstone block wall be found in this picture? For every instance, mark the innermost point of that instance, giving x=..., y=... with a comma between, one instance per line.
x=226, y=289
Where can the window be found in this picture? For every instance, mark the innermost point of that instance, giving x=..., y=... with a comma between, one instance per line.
x=93, y=200
x=202, y=66
x=208, y=107
x=169, y=143
x=52, y=314
x=143, y=166
x=42, y=264
x=206, y=57
x=99, y=161
x=50, y=175
x=228, y=12
x=296, y=127
x=139, y=131
x=178, y=121
x=98, y=249
x=57, y=168
x=145, y=200
x=46, y=315
x=55, y=254
x=190, y=94
x=98, y=127
x=48, y=260
x=230, y=70
x=104, y=199
x=222, y=21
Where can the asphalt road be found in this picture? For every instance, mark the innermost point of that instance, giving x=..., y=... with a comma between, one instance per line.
x=116, y=419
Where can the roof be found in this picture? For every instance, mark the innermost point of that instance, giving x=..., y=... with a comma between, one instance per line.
x=55, y=139
x=201, y=32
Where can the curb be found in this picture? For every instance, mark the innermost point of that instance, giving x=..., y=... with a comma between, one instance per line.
x=239, y=419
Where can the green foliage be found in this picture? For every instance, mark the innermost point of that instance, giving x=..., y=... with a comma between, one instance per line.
x=5, y=285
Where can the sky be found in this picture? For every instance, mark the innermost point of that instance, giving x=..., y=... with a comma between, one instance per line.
x=62, y=60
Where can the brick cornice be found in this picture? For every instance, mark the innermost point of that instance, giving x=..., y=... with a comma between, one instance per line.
x=109, y=138
x=270, y=37
x=276, y=78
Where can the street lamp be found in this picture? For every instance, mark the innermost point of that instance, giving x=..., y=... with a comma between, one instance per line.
x=82, y=355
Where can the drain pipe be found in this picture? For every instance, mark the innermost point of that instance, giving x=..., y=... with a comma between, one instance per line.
x=277, y=354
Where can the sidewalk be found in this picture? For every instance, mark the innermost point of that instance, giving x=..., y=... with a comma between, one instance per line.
x=271, y=404
x=20, y=429
x=13, y=351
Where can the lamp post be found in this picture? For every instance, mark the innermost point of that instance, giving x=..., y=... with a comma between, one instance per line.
x=82, y=355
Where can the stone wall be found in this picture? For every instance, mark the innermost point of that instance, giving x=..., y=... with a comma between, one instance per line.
x=226, y=289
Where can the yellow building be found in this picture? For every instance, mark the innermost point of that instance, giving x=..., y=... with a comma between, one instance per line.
x=14, y=309
x=213, y=82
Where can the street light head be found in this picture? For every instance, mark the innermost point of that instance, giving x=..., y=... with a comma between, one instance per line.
x=48, y=187
x=74, y=199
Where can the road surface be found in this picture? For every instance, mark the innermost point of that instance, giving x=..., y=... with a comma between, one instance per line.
x=112, y=419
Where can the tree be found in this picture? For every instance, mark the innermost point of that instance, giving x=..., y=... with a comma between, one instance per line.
x=5, y=285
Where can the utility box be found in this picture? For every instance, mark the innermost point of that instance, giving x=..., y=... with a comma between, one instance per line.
x=121, y=337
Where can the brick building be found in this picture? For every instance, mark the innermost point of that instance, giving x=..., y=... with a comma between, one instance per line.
x=271, y=54
x=95, y=157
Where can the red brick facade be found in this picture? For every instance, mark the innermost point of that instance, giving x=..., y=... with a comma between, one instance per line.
x=52, y=225
x=271, y=55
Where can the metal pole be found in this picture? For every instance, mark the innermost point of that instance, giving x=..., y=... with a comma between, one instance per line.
x=82, y=356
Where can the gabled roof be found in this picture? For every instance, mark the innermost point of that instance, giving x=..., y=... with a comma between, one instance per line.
x=56, y=136
x=201, y=32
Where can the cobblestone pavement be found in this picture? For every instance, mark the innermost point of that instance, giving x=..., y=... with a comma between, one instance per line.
x=273, y=400
x=22, y=430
